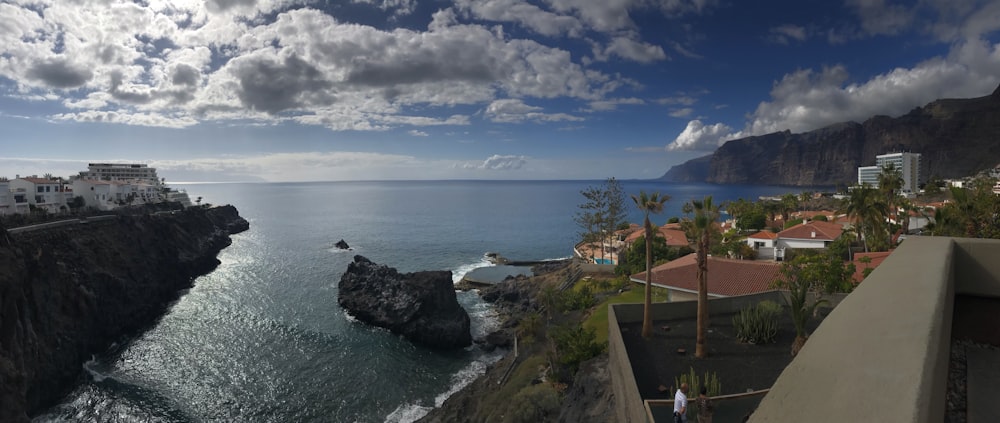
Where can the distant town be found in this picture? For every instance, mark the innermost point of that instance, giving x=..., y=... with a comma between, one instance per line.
x=102, y=187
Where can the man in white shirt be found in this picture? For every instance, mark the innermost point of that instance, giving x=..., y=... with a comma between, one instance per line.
x=681, y=404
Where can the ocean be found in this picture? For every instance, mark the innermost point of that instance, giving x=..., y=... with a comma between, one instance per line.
x=262, y=338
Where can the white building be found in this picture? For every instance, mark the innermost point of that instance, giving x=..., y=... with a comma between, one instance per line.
x=6, y=198
x=101, y=195
x=120, y=172
x=47, y=194
x=908, y=165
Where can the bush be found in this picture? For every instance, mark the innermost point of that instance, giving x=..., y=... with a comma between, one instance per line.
x=757, y=324
x=576, y=345
x=534, y=403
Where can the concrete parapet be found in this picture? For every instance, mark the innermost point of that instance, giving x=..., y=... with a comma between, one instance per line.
x=883, y=353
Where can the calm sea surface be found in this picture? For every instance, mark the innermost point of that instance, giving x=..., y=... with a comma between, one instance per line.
x=262, y=338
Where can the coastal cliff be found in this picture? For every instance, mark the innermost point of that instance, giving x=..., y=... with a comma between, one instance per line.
x=71, y=291
x=955, y=137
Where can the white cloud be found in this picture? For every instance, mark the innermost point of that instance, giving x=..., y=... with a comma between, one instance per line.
x=612, y=104
x=784, y=34
x=398, y=7
x=416, y=133
x=627, y=47
x=683, y=100
x=498, y=162
x=879, y=17
x=520, y=11
x=515, y=110
x=805, y=100
x=168, y=64
x=681, y=113
x=698, y=136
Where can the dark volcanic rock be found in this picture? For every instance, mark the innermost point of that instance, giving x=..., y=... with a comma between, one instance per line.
x=420, y=306
x=955, y=137
x=69, y=292
x=342, y=245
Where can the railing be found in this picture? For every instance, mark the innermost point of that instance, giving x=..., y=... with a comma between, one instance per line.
x=726, y=408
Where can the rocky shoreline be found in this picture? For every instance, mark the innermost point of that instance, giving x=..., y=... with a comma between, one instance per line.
x=69, y=292
x=587, y=398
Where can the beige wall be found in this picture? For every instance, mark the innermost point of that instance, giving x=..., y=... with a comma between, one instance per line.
x=882, y=354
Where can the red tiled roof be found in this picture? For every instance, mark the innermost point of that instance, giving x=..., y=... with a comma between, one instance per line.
x=674, y=237
x=823, y=230
x=859, y=267
x=726, y=277
x=764, y=235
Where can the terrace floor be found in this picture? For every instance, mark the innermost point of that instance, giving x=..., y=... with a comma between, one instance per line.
x=740, y=367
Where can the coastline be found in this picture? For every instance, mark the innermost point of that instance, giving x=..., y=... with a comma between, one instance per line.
x=70, y=292
x=587, y=398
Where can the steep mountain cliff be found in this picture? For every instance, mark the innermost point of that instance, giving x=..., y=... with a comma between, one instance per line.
x=69, y=292
x=955, y=137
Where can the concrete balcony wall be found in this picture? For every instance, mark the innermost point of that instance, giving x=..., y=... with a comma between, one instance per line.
x=882, y=354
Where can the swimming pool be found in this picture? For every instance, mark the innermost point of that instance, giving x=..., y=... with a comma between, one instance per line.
x=604, y=261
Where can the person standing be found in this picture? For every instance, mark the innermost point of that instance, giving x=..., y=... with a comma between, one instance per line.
x=681, y=404
x=705, y=406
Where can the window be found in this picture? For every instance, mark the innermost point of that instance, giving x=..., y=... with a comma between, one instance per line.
x=39, y=189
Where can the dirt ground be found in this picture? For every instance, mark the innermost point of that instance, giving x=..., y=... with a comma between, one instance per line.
x=740, y=367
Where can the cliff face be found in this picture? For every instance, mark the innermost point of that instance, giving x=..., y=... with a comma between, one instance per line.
x=69, y=292
x=955, y=138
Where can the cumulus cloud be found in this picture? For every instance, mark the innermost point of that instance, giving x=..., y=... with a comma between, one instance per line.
x=809, y=99
x=698, y=136
x=526, y=14
x=880, y=17
x=265, y=62
x=498, y=162
x=416, y=133
x=514, y=110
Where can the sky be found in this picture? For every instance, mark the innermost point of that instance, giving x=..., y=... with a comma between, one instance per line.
x=312, y=90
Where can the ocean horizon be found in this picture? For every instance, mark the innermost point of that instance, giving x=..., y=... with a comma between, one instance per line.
x=262, y=337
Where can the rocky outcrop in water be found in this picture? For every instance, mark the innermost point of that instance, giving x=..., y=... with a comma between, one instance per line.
x=69, y=292
x=955, y=137
x=421, y=306
x=342, y=245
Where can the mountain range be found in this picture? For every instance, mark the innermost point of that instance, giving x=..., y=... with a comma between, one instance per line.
x=955, y=137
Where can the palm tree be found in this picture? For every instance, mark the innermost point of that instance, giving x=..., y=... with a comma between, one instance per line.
x=789, y=203
x=652, y=203
x=865, y=209
x=890, y=181
x=705, y=216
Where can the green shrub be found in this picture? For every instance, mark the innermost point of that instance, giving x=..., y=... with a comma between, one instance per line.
x=757, y=324
x=534, y=403
x=575, y=345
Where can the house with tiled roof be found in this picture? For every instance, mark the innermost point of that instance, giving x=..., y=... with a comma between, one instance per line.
x=809, y=234
x=726, y=277
x=43, y=193
x=672, y=233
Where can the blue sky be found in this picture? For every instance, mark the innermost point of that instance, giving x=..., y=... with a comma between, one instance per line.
x=292, y=90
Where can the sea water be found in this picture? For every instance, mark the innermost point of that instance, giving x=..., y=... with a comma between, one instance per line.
x=262, y=338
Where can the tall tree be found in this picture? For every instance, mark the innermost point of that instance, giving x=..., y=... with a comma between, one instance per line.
x=867, y=211
x=890, y=181
x=703, y=225
x=616, y=212
x=789, y=203
x=601, y=213
x=652, y=203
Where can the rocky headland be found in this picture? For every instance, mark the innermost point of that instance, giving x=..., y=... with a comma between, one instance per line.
x=955, y=137
x=421, y=306
x=71, y=291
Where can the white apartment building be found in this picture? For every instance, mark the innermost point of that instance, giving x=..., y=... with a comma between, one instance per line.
x=908, y=165
x=108, y=195
x=120, y=172
x=47, y=194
